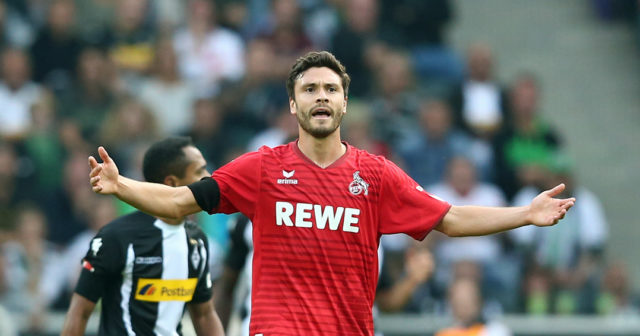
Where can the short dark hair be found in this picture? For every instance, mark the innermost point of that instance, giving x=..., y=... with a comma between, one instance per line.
x=317, y=59
x=166, y=157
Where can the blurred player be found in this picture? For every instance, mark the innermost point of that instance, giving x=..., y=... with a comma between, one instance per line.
x=146, y=269
x=319, y=207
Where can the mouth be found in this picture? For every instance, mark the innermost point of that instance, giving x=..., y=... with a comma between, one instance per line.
x=321, y=113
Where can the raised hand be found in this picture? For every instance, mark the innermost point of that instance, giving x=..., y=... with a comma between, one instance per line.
x=419, y=264
x=103, y=176
x=545, y=210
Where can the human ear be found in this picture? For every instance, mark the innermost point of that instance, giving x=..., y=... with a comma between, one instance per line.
x=292, y=106
x=171, y=181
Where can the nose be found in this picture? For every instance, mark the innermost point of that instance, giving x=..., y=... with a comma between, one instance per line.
x=322, y=96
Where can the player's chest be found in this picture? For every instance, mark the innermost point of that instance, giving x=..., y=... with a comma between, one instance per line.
x=319, y=201
x=347, y=186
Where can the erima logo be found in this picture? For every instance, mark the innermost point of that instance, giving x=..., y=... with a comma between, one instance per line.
x=287, y=177
x=156, y=290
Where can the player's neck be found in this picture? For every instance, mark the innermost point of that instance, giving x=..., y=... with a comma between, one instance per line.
x=323, y=152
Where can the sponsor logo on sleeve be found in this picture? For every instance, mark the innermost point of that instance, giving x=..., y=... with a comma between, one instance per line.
x=96, y=244
x=87, y=265
x=421, y=189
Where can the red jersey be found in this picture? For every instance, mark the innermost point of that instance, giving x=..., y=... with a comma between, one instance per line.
x=316, y=233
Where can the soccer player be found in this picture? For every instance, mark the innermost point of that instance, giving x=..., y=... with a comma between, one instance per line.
x=319, y=207
x=146, y=269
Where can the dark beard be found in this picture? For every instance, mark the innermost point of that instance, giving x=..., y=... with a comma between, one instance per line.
x=318, y=133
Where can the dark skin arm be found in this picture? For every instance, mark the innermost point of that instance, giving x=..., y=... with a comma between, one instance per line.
x=223, y=296
x=78, y=315
x=205, y=319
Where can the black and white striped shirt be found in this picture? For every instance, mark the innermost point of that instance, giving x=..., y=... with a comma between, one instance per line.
x=145, y=271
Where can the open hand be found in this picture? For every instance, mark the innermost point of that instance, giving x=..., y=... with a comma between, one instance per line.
x=103, y=176
x=546, y=210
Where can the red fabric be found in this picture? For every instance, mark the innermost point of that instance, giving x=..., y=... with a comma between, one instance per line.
x=316, y=233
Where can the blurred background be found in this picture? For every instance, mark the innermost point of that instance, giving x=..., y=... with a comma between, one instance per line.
x=481, y=102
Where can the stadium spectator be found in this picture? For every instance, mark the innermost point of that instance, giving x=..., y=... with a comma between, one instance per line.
x=207, y=131
x=42, y=148
x=88, y=102
x=130, y=40
x=12, y=190
x=170, y=14
x=523, y=147
x=327, y=260
x=465, y=302
x=7, y=326
x=358, y=30
x=479, y=102
x=283, y=27
x=420, y=28
x=31, y=265
x=15, y=30
x=427, y=151
x=283, y=130
x=67, y=207
x=56, y=47
x=165, y=93
x=357, y=130
x=93, y=18
x=616, y=296
x=251, y=104
x=208, y=53
x=395, y=106
x=128, y=126
x=17, y=93
x=394, y=293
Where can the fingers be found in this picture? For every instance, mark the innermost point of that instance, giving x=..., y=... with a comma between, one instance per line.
x=95, y=171
x=555, y=191
x=104, y=155
x=567, y=205
x=92, y=162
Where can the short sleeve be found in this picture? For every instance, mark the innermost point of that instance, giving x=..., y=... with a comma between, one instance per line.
x=406, y=207
x=204, y=288
x=102, y=262
x=239, y=183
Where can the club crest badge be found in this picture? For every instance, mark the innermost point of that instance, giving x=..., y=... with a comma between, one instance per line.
x=195, y=257
x=358, y=185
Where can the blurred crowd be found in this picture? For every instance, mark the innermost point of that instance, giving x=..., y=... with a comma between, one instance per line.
x=124, y=73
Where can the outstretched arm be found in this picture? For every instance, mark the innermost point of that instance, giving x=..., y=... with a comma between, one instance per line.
x=153, y=198
x=544, y=210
